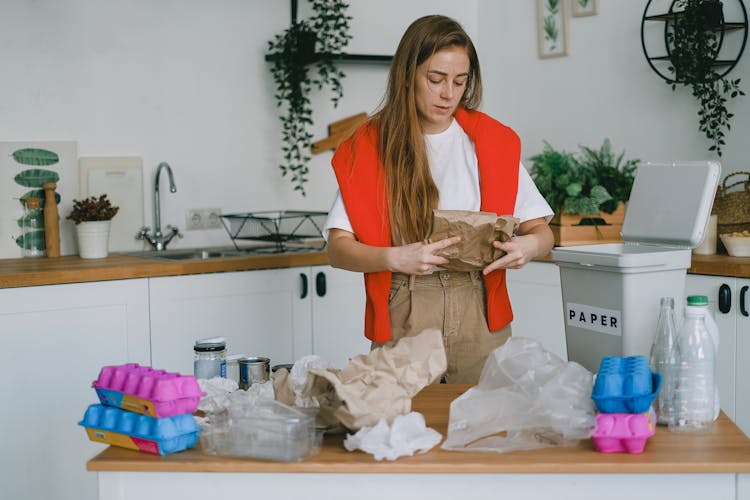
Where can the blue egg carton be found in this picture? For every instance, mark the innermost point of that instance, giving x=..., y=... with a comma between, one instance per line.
x=625, y=385
x=160, y=436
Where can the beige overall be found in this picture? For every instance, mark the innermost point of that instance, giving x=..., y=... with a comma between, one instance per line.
x=453, y=302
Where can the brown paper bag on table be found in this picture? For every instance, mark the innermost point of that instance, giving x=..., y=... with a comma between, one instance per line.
x=379, y=384
x=477, y=230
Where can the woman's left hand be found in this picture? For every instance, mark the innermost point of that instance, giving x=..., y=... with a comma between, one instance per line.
x=535, y=239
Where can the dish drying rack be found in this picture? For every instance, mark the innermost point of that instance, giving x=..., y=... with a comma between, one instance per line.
x=282, y=230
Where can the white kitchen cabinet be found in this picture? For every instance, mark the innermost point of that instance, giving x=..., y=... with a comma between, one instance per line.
x=338, y=314
x=536, y=299
x=56, y=338
x=282, y=314
x=733, y=364
x=260, y=313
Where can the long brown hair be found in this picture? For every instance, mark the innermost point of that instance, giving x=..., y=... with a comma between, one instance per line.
x=412, y=194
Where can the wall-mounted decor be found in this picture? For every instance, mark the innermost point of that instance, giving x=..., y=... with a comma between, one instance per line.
x=696, y=43
x=24, y=168
x=581, y=8
x=552, y=28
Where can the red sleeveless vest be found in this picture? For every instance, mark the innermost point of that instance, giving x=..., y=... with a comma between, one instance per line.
x=361, y=180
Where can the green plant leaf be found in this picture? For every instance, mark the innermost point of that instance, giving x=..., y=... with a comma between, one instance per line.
x=36, y=177
x=35, y=157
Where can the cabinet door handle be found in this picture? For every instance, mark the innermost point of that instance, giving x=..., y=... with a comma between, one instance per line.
x=303, y=279
x=743, y=304
x=320, y=284
x=725, y=298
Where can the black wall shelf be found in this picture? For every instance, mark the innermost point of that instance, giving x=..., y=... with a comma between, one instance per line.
x=723, y=27
x=363, y=58
x=348, y=58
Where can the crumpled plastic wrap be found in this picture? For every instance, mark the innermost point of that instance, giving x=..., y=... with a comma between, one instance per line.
x=478, y=230
x=407, y=435
x=526, y=398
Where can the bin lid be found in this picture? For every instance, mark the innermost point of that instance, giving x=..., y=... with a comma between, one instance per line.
x=666, y=216
x=671, y=202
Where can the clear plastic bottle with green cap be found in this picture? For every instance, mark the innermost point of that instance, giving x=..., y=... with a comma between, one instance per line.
x=695, y=392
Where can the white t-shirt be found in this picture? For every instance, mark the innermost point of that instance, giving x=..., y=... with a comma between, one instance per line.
x=454, y=168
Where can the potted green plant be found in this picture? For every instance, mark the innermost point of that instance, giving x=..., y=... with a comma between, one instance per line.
x=93, y=217
x=694, y=39
x=582, y=189
x=303, y=57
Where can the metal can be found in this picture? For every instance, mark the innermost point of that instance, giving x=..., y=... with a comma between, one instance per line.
x=210, y=358
x=253, y=369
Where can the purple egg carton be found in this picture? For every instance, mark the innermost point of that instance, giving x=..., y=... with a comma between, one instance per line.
x=625, y=385
x=623, y=432
x=143, y=390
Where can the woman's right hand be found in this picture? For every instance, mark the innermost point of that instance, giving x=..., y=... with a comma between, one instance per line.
x=418, y=258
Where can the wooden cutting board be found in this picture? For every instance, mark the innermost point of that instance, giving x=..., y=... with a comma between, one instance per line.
x=121, y=178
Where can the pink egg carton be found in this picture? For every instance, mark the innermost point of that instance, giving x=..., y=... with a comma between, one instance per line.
x=143, y=390
x=623, y=432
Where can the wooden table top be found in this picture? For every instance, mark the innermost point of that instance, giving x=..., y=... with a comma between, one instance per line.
x=725, y=450
x=73, y=269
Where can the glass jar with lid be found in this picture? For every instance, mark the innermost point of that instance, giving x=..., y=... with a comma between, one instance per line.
x=210, y=358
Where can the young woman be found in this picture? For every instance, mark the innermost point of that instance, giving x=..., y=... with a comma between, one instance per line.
x=426, y=148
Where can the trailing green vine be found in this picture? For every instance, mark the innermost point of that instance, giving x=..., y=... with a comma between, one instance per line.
x=693, y=39
x=315, y=40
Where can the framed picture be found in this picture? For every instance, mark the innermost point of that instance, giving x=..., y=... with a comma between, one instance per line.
x=552, y=28
x=581, y=8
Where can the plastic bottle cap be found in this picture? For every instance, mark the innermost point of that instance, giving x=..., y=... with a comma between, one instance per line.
x=697, y=300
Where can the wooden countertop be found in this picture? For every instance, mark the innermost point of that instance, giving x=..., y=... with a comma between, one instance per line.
x=725, y=450
x=73, y=269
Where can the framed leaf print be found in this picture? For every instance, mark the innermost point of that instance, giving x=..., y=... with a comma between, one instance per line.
x=552, y=28
x=581, y=8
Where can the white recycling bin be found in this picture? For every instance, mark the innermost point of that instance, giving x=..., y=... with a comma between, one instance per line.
x=611, y=292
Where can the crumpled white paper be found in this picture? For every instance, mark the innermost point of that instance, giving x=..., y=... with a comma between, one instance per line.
x=217, y=391
x=221, y=392
x=407, y=435
x=298, y=376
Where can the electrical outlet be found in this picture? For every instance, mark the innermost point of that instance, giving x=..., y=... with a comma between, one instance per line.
x=213, y=218
x=193, y=219
x=202, y=218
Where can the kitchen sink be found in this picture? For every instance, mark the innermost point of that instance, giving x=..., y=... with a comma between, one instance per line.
x=187, y=254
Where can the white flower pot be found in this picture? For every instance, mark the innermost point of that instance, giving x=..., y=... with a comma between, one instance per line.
x=93, y=239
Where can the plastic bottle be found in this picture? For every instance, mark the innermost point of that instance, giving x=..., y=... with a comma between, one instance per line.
x=695, y=390
x=33, y=229
x=665, y=361
x=700, y=306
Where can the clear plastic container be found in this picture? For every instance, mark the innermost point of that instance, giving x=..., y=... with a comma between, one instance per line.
x=696, y=381
x=264, y=429
x=665, y=361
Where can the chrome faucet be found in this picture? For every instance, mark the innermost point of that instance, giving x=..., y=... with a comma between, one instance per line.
x=158, y=240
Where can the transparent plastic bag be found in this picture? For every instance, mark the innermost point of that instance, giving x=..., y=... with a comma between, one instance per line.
x=526, y=398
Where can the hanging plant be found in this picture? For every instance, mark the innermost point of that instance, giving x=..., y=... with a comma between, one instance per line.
x=693, y=42
x=304, y=58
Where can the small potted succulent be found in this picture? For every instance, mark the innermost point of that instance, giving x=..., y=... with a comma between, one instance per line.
x=93, y=217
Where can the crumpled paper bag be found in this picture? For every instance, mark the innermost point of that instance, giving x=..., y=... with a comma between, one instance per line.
x=526, y=398
x=379, y=384
x=407, y=435
x=477, y=230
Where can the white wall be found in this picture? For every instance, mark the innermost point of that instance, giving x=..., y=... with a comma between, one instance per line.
x=186, y=82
